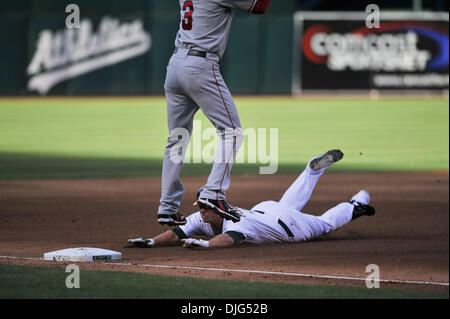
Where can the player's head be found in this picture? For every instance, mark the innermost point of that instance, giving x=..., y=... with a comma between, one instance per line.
x=210, y=216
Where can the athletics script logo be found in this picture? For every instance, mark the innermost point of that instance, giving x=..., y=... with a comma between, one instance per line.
x=69, y=53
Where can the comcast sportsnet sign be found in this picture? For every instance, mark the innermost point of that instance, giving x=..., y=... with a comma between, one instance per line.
x=338, y=52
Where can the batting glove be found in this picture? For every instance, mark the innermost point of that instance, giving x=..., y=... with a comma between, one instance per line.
x=195, y=243
x=142, y=242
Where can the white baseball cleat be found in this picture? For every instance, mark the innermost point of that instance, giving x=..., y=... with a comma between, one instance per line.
x=362, y=198
x=361, y=205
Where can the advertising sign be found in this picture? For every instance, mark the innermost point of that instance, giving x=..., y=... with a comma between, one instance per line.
x=69, y=53
x=338, y=52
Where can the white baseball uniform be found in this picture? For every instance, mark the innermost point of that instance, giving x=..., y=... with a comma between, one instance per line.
x=271, y=221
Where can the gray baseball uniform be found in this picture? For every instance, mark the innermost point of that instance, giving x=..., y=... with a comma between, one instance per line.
x=194, y=82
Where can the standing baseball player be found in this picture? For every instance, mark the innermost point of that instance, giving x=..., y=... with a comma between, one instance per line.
x=269, y=221
x=193, y=82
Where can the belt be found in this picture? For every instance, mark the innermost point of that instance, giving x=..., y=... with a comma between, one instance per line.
x=286, y=228
x=200, y=54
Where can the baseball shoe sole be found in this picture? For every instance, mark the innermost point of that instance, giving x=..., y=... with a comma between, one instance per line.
x=221, y=207
x=172, y=220
x=325, y=160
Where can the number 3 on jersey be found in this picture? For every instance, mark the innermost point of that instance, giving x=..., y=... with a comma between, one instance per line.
x=188, y=9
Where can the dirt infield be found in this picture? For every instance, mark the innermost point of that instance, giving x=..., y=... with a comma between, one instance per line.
x=408, y=237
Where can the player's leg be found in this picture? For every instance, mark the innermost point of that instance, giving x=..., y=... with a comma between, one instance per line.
x=220, y=109
x=345, y=212
x=339, y=215
x=299, y=193
x=211, y=94
x=180, y=112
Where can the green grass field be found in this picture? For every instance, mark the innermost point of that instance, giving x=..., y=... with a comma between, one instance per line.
x=64, y=138
x=39, y=282
x=125, y=137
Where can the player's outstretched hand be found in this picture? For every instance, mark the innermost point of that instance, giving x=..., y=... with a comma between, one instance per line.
x=141, y=243
x=195, y=243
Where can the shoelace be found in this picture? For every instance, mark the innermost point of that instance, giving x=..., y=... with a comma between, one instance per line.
x=354, y=202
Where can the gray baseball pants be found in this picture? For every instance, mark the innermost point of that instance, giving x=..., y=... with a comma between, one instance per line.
x=194, y=83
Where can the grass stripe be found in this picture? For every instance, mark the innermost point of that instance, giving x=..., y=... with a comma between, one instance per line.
x=41, y=282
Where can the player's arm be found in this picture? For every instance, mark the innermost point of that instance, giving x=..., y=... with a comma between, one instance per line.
x=252, y=6
x=260, y=6
x=171, y=237
x=221, y=241
x=168, y=238
x=225, y=240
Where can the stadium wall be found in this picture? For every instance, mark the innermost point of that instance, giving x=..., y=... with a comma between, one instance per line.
x=123, y=47
x=36, y=58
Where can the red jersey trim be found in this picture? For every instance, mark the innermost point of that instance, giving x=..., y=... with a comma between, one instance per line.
x=259, y=6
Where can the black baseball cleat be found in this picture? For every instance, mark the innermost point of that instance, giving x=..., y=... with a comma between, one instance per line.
x=363, y=210
x=221, y=207
x=325, y=160
x=172, y=219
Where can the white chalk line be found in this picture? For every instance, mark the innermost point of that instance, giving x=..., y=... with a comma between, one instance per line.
x=283, y=274
x=261, y=272
x=22, y=258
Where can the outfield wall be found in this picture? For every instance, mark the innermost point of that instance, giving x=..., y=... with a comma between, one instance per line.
x=122, y=48
x=258, y=58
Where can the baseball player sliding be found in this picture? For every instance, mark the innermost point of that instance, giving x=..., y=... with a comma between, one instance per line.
x=269, y=221
x=193, y=82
